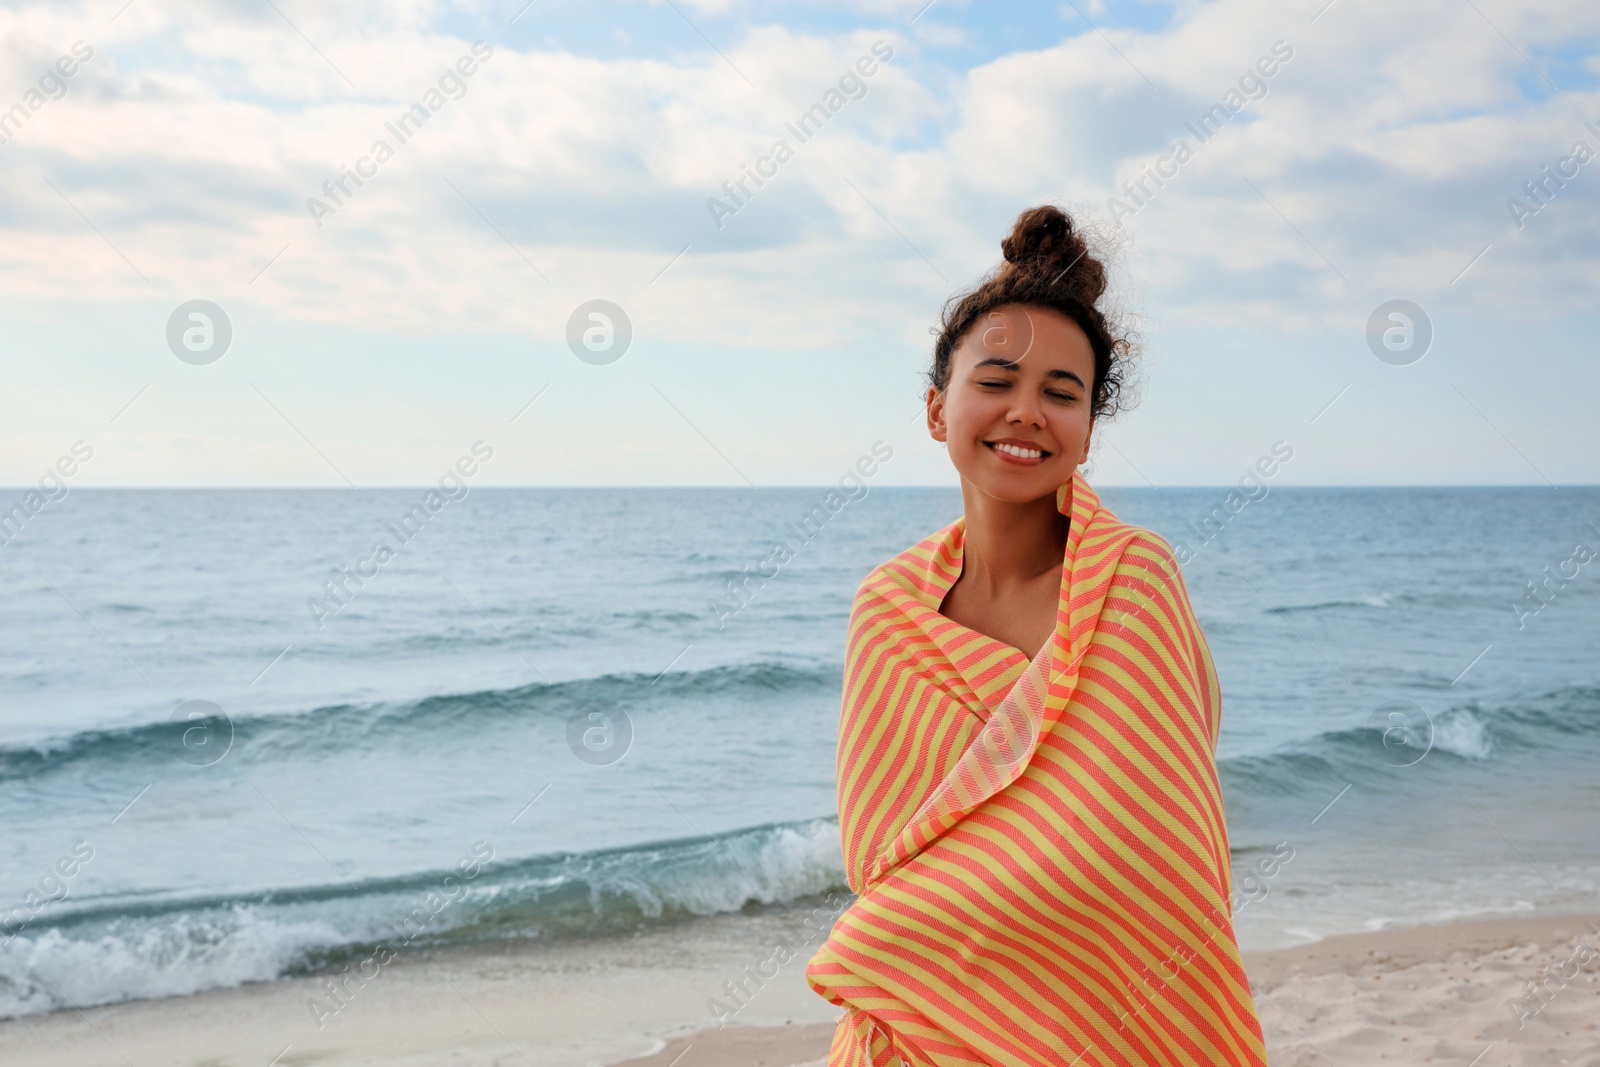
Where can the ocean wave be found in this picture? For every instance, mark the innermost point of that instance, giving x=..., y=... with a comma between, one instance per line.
x=189, y=954
x=1370, y=600
x=279, y=734
x=102, y=952
x=1566, y=720
x=1462, y=733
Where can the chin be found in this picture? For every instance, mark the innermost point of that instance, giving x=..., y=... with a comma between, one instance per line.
x=1019, y=496
x=1021, y=485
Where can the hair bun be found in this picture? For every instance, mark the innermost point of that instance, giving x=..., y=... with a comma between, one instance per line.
x=1042, y=234
x=1044, y=244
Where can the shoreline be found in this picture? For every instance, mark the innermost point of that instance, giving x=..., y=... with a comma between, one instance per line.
x=1441, y=992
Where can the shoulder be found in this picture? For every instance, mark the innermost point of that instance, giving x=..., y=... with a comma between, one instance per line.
x=1148, y=550
x=915, y=571
x=1142, y=556
x=1146, y=598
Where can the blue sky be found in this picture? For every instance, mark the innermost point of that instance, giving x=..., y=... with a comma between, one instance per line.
x=576, y=163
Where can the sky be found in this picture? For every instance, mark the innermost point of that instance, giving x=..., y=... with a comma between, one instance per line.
x=1360, y=153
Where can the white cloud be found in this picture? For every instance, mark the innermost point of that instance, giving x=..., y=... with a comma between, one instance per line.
x=193, y=139
x=598, y=167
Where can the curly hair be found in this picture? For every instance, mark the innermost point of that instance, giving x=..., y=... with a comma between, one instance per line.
x=1047, y=265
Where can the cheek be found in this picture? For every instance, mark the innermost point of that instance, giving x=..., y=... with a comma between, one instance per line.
x=968, y=412
x=1071, y=430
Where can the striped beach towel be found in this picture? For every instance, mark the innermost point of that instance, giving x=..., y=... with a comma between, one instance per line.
x=1037, y=848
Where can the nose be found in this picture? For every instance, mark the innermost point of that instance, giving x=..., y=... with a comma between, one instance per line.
x=1026, y=410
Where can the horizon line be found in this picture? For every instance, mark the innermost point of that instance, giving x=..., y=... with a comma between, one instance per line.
x=822, y=486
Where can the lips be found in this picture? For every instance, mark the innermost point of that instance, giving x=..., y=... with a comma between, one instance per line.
x=1018, y=452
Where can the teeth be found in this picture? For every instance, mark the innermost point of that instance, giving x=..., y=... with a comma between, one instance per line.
x=1022, y=453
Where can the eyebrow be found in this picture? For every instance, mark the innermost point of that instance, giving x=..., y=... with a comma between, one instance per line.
x=1006, y=364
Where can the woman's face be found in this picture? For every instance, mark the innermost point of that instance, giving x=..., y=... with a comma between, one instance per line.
x=1015, y=412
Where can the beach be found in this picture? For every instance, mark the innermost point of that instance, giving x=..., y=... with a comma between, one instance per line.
x=548, y=807
x=1439, y=994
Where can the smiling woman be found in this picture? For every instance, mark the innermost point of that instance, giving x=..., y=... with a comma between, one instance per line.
x=1029, y=806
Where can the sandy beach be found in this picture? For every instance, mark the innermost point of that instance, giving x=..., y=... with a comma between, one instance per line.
x=1449, y=994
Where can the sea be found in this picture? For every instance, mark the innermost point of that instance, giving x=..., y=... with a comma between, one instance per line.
x=254, y=734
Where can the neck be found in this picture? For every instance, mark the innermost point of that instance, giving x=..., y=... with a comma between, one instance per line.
x=1010, y=543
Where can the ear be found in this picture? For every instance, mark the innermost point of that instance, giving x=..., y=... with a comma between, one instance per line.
x=936, y=427
x=1088, y=439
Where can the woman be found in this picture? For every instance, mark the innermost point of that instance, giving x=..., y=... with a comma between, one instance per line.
x=1028, y=797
